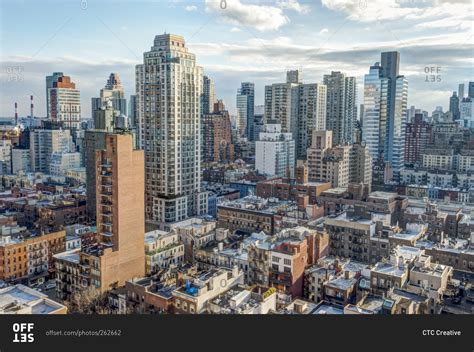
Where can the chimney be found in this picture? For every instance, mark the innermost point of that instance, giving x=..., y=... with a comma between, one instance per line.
x=16, y=113
x=31, y=107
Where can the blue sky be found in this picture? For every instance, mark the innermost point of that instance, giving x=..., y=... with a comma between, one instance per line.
x=247, y=41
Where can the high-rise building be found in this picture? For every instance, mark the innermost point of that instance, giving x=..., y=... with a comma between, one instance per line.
x=466, y=112
x=133, y=113
x=470, y=90
x=217, y=135
x=119, y=254
x=299, y=108
x=327, y=163
x=245, y=108
x=417, y=137
x=94, y=139
x=5, y=157
x=208, y=97
x=50, y=80
x=461, y=91
x=45, y=142
x=169, y=88
x=311, y=114
x=113, y=92
x=64, y=102
x=338, y=164
x=454, y=106
x=360, y=165
x=275, y=152
x=341, y=108
x=385, y=111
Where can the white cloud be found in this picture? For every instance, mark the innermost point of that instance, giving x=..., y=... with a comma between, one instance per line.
x=261, y=17
x=445, y=14
x=235, y=30
x=323, y=31
x=293, y=5
x=191, y=8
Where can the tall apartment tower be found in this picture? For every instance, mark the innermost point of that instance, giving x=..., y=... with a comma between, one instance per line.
x=64, y=102
x=169, y=87
x=217, y=143
x=113, y=91
x=50, y=80
x=385, y=111
x=299, y=108
x=119, y=254
x=245, y=108
x=275, y=152
x=208, y=97
x=341, y=108
x=46, y=142
x=94, y=139
x=417, y=138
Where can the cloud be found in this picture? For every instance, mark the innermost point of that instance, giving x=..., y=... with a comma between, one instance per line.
x=261, y=17
x=323, y=31
x=293, y=5
x=452, y=14
x=235, y=30
x=191, y=8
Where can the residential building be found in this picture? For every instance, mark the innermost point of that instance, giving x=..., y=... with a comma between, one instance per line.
x=20, y=299
x=417, y=138
x=64, y=102
x=341, y=108
x=119, y=254
x=171, y=132
x=112, y=92
x=162, y=250
x=217, y=142
x=275, y=152
x=45, y=142
x=208, y=97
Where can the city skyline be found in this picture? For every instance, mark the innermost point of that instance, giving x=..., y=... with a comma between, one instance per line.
x=236, y=44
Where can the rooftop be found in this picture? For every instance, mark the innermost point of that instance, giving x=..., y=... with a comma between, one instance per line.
x=20, y=299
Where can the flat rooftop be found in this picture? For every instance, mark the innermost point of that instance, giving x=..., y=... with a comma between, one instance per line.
x=21, y=299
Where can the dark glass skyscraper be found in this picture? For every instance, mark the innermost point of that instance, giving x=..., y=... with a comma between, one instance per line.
x=245, y=107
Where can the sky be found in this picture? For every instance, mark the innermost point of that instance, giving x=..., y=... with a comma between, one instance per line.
x=234, y=41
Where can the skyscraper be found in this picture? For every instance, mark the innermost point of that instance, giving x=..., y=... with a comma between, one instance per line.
x=275, y=152
x=119, y=254
x=49, y=84
x=113, y=91
x=94, y=139
x=208, y=97
x=245, y=108
x=470, y=91
x=385, y=111
x=169, y=87
x=299, y=108
x=454, y=106
x=217, y=135
x=341, y=109
x=461, y=91
x=64, y=101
